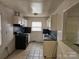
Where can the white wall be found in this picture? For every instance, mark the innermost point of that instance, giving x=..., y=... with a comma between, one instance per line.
x=37, y=36
x=7, y=31
x=71, y=28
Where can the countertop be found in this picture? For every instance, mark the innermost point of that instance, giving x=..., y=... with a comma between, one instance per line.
x=49, y=39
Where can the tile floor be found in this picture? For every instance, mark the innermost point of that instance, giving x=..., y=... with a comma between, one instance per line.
x=33, y=51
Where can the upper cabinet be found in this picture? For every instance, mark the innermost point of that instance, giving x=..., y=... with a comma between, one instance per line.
x=49, y=23
x=17, y=19
x=20, y=20
x=54, y=22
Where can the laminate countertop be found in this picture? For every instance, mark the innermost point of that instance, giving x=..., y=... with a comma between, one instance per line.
x=49, y=39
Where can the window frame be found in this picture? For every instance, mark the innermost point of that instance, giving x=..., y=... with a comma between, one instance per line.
x=37, y=27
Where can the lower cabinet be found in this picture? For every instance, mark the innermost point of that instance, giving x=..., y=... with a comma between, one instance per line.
x=50, y=49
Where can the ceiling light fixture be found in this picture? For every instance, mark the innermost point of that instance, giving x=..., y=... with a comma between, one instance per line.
x=36, y=7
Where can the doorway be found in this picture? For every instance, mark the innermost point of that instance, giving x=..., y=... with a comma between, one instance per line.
x=71, y=27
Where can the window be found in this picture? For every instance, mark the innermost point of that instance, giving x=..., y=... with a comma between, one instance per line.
x=0, y=32
x=36, y=26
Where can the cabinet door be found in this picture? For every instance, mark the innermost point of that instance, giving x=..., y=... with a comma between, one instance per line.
x=17, y=20
x=50, y=48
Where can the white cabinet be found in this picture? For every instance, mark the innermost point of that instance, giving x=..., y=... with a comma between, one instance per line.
x=49, y=48
x=20, y=20
x=17, y=19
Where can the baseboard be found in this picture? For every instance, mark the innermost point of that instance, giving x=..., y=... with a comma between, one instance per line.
x=10, y=54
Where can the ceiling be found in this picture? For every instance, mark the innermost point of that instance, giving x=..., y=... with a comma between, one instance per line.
x=24, y=6
x=73, y=11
